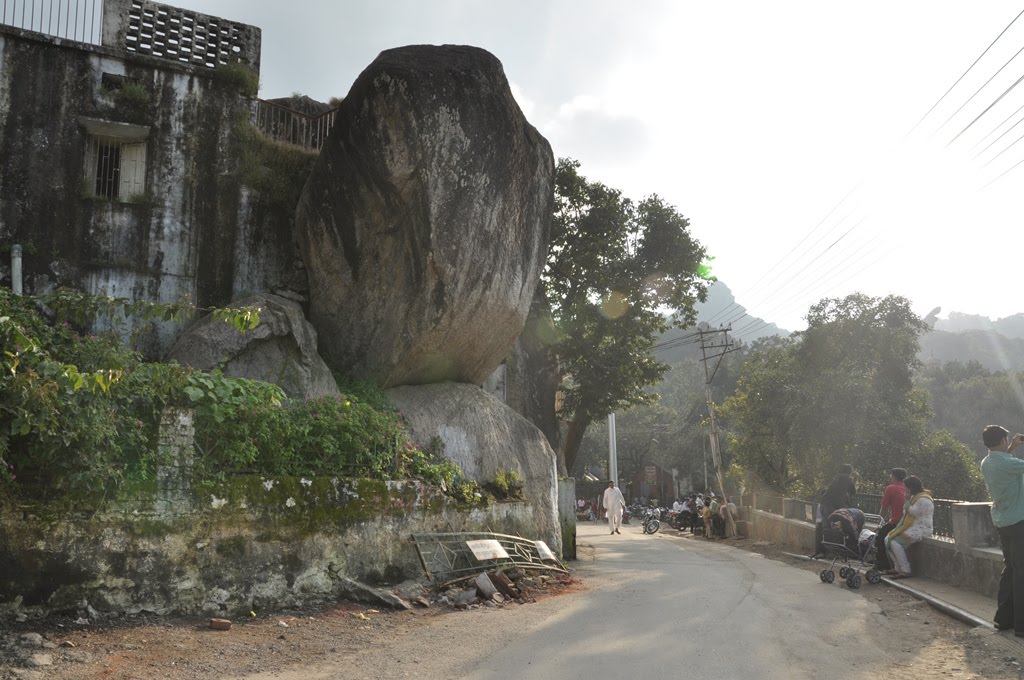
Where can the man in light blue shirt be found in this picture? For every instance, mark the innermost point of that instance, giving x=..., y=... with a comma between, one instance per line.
x=1004, y=477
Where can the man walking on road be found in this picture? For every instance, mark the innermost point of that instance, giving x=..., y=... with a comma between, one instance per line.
x=614, y=503
x=1004, y=477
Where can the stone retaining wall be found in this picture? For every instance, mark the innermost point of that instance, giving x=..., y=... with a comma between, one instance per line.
x=252, y=544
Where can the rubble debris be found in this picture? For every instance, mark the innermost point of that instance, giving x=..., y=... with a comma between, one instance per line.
x=32, y=640
x=504, y=584
x=220, y=624
x=447, y=556
x=360, y=592
x=484, y=586
x=39, y=660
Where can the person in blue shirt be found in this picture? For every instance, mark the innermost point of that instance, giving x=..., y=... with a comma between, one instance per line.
x=1004, y=478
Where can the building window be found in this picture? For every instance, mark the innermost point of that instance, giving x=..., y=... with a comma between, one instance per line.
x=115, y=169
x=115, y=160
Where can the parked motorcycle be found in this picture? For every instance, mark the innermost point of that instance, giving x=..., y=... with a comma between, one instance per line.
x=650, y=521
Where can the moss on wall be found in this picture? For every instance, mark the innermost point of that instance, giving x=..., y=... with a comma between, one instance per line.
x=245, y=547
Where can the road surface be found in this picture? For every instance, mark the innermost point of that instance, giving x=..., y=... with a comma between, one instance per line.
x=659, y=603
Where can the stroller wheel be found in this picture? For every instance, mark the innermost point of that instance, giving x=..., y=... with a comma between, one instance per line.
x=843, y=572
x=830, y=576
x=823, y=575
x=853, y=580
x=873, y=576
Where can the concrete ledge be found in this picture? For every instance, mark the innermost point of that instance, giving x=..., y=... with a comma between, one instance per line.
x=974, y=569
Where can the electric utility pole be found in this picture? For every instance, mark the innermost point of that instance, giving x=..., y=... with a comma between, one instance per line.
x=714, y=345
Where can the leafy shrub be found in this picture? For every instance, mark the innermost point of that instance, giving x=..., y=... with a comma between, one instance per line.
x=66, y=420
x=507, y=484
x=239, y=77
x=80, y=413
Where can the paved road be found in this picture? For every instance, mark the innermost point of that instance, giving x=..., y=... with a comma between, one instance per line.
x=658, y=604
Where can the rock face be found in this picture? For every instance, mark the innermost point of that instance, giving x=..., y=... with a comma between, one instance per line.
x=424, y=223
x=481, y=434
x=281, y=350
x=532, y=375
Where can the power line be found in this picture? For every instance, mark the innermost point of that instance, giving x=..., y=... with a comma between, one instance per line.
x=987, y=109
x=1005, y=132
x=964, y=74
x=818, y=262
x=991, y=78
x=975, y=146
x=791, y=251
x=852, y=259
x=835, y=271
x=1005, y=172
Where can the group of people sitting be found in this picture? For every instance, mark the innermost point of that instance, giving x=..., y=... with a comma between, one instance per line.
x=907, y=512
x=703, y=513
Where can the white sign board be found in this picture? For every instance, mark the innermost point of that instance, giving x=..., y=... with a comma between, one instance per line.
x=544, y=551
x=487, y=549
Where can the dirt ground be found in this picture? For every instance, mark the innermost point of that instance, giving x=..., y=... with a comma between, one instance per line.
x=360, y=642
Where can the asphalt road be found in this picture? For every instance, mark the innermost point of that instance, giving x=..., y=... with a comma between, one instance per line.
x=662, y=606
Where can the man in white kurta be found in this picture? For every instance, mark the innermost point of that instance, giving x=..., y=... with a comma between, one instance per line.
x=613, y=503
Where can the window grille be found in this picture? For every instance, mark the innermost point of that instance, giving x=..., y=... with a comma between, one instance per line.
x=115, y=169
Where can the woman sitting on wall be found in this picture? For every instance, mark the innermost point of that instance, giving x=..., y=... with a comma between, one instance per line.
x=915, y=524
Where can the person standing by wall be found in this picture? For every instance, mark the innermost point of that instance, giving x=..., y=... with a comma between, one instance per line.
x=614, y=504
x=893, y=498
x=1004, y=478
x=839, y=494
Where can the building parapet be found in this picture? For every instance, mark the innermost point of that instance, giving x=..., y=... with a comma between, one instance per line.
x=140, y=27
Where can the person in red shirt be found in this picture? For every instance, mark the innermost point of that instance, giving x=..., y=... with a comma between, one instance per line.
x=893, y=499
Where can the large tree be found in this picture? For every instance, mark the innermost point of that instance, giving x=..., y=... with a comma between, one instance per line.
x=854, y=364
x=759, y=416
x=614, y=268
x=842, y=392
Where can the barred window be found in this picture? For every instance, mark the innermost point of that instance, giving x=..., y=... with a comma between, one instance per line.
x=115, y=160
x=115, y=169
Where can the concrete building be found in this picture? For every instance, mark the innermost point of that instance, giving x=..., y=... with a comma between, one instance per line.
x=129, y=162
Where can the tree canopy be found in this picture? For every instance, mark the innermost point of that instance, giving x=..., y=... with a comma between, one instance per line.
x=843, y=392
x=618, y=274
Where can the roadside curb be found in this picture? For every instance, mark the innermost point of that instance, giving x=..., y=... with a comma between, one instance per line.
x=943, y=606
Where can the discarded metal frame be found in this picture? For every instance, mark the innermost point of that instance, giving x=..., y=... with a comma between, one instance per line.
x=445, y=556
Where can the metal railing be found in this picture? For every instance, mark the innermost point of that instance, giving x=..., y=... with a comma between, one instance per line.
x=293, y=127
x=795, y=508
x=78, y=20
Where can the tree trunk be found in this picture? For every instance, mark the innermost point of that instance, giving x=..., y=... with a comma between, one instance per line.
x=571, y=443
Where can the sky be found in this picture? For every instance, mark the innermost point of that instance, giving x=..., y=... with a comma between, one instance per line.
x=792, y=134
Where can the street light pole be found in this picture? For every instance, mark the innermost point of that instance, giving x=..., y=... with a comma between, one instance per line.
x=613, y=454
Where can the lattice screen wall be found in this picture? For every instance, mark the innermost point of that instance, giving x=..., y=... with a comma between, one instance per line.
x=188, y=37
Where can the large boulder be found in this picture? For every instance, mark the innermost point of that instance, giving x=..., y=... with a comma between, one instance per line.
x=532, y=374
x=424, y=223
x=481, y=435
x=282, y=349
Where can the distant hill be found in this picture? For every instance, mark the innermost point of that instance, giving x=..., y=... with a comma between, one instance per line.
x=992, y=350
x=997, y=345
x=1010, y=326
x=721, y=307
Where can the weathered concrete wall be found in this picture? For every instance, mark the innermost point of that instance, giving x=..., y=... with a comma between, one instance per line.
x=254, y=544
x=195, y=232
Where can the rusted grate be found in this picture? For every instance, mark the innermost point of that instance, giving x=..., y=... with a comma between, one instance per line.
x=451, y=555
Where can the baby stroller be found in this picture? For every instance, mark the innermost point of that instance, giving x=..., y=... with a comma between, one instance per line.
x=846, y=539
